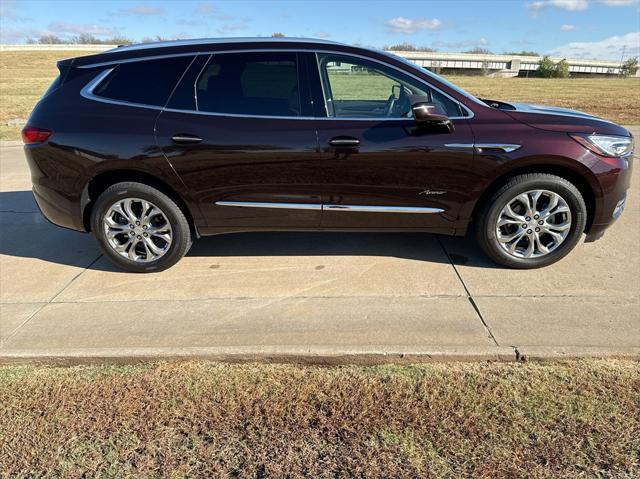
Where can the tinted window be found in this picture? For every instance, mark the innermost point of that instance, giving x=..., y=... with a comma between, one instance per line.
x=184, y=96
x=451, y=107
x=250, y=84
x=357, y=87
x=148, y=82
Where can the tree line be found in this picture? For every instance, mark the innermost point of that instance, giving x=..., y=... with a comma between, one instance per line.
x=547, y=68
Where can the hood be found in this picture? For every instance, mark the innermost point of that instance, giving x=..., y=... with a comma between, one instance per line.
x=550, y=110
x=554, y=118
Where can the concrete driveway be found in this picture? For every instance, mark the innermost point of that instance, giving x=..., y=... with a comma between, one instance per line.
x=310, y=297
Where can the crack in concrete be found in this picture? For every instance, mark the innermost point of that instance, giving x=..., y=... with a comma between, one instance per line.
x=469, y=296
x=15, y=330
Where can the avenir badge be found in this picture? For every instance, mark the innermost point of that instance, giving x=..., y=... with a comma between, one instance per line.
x=432, y=192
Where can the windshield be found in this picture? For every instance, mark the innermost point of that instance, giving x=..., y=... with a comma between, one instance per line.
x=437, y=77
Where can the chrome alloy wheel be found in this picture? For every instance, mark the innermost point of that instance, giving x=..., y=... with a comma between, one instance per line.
x=533, y=224
x=137, y=230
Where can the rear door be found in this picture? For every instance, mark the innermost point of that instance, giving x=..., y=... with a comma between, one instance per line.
x=238, y=132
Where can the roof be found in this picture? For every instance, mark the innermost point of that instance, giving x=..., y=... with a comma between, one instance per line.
x=218, y=41
x=203, y=45
x=200, y=45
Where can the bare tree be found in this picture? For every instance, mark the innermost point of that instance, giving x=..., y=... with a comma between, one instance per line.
x=49, y=40
x=524, y=53
x=479, y=51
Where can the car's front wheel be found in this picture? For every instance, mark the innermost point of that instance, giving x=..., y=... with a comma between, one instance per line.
x=532, y=221
x=139, y=228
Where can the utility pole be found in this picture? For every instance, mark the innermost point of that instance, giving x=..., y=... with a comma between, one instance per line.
x=624, y=49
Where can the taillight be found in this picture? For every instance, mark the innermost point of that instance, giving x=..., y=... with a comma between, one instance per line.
x=31, y=135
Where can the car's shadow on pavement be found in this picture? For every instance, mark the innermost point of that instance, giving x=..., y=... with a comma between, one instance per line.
x=412, y=246
x=24, y=232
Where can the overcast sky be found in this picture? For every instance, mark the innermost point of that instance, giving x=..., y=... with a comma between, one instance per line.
x=571, y=28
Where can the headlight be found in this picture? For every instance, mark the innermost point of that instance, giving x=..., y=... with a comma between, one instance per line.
x=606, y=145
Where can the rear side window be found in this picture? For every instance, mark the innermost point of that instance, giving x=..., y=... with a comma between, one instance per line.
x=250, y=84
x=147, y=82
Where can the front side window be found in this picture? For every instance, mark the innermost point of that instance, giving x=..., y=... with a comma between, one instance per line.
x=359, y=88
x=252, y=83
x=147, y=82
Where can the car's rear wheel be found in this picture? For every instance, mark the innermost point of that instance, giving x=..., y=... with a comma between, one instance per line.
x=139, y=228
x=532, y=221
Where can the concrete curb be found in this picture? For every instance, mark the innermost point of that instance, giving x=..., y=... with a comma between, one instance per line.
x=272, y=354
x=9, y=143
x=310, y=356
x=542, y=353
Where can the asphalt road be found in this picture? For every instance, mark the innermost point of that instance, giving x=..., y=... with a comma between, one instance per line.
x=308, y=297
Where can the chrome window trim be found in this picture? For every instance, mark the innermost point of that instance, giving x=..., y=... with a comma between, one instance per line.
x=333, y=52
x=87, y=91
x=332, y=207
x=470, y=112
x=195, y=82
x=243, y=115
x=139, y=59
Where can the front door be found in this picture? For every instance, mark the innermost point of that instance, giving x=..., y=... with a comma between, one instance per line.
x=380, y=170
x=233, y=132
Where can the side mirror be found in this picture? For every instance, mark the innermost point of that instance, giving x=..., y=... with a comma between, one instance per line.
x=431, y=114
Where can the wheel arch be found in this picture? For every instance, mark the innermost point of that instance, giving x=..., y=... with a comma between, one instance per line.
x=584, y=180
x=100, y=182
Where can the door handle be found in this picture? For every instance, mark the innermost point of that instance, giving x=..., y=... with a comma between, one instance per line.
x=343, y=141
x=184, y=138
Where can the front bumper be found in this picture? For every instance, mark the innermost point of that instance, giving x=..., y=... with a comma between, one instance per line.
x=615, y=182
x=597, y=230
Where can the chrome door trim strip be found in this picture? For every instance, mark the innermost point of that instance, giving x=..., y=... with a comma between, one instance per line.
x=460, y=146
x=383, y=209
x=259, y=204
x=316, y=206
x=506, y=147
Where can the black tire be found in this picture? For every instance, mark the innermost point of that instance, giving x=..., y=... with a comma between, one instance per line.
x=181, y=233
x=488, y=213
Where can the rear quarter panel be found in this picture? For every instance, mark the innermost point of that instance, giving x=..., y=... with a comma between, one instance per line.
x=91, y=137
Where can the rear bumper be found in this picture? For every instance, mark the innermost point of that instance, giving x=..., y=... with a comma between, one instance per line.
x=60, y=207
x=56, y=210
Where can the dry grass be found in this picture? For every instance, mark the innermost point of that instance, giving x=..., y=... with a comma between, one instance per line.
x=563, y=419
x=24, y=76
x=616, y=99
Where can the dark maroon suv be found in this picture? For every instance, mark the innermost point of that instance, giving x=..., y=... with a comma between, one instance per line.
x=151, y=146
